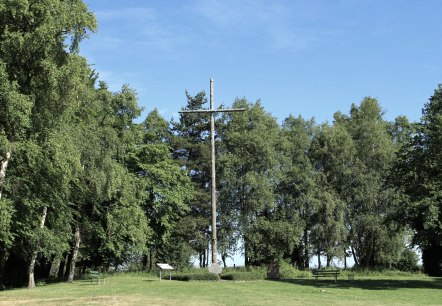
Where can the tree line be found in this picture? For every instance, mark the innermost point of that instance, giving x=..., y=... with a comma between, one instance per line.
x=85, y=185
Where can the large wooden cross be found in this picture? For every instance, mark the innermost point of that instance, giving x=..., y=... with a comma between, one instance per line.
x=215, y=268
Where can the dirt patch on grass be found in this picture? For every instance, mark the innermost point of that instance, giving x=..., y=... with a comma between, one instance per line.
x=106, y=300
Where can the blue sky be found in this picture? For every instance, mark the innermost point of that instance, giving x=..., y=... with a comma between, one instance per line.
x=308, y=58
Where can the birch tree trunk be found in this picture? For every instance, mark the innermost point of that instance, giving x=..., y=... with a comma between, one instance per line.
x=329, y=258
x=55, y=267
x=4, y=255
x=319, y=259
x=355, y=258
x=224, y=258
x=77, y=240
x=4, y=252
x=306, y=252
x=3, y=166
x=31, y=282
x=345, y=259
x=207, y=255
x=63, y=265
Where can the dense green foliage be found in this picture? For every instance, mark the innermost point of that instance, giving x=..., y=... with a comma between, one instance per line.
x=419, y=175
x=191, y=147
x=85, y=185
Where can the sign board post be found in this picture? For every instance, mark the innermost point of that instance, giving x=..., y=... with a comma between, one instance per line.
x=166, y=267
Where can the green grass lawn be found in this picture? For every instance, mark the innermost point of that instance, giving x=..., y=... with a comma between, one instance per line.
x=129, y=289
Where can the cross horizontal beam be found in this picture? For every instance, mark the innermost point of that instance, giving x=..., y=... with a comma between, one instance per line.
x=211, y=111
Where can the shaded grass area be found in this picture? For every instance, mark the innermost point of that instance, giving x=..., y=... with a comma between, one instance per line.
x=131, y=289
x=370, y=284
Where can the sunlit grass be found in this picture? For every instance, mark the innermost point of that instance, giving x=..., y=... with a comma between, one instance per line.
x=133, y=289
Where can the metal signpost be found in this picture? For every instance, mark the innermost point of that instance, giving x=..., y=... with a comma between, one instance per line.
x=165, y=266
x=214, y=268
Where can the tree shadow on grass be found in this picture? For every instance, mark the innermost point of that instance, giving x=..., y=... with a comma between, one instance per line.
x=368, y=284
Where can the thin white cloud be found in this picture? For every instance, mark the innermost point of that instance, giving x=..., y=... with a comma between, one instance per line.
x=103, y=42
x=281, y=26
x=270, y=26
x=135, y=28
x=128, y=14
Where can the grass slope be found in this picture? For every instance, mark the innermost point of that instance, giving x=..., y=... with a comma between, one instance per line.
x=146, y=290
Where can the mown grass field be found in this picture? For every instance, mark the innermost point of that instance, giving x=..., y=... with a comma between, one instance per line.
x=132, y=289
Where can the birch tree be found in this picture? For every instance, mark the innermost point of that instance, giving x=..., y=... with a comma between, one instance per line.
x=249, y=168
x=35, y=66
x=418, y=174
x=376, y=239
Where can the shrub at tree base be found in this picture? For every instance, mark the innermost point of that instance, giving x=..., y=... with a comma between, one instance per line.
x=243, y=276
x=195, y=277
x=408, y=262
x=288, y=271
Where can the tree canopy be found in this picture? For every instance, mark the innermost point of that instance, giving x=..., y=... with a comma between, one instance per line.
x=86, y=184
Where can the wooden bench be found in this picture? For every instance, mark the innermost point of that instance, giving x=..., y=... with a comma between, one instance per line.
x=95, y=276
x=326, y=273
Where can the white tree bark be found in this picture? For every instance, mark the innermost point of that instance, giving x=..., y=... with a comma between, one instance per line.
x=55, y=267
x=31, y=282
x=3, y=166
x=4, y=254
x=77, y=240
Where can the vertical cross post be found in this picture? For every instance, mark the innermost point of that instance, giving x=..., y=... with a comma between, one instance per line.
x=214, y=267
x=213, y=176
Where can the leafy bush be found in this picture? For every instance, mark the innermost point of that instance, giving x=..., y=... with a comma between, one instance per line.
x=243, y=275
x=262, y=269
x=288, y=271
x=195, y=277
x=408, y=261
